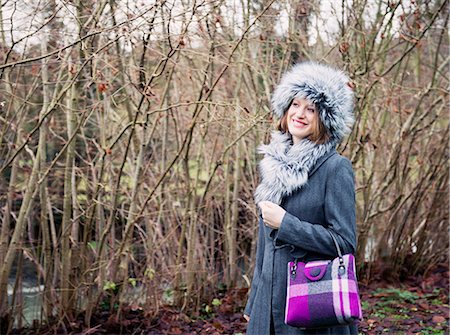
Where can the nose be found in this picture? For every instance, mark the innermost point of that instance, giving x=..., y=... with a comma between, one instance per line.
x=300, y=112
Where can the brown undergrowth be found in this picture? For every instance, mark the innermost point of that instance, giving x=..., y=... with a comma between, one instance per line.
x=418, y=305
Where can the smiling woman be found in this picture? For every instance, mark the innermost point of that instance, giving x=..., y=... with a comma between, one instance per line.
x=306, y=191
x=302, y=117
x=302, y=121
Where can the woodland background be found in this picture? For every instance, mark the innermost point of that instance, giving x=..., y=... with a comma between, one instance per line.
x=128, y=137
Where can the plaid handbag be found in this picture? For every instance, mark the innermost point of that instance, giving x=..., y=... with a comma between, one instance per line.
x=323, y=293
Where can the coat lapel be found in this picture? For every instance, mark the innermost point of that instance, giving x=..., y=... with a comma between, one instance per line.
x=321, y=160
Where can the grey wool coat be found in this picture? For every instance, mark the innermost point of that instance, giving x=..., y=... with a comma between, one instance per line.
x=326, y=200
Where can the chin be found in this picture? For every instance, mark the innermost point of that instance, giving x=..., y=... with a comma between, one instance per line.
x=299, y=135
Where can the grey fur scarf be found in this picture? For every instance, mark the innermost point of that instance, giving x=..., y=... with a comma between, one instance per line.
x=285, y=167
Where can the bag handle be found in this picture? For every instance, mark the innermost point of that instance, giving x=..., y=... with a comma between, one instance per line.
x=336, y=244
x=341, y=268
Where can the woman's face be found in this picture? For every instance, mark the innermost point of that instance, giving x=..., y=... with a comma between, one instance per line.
x=301, y=118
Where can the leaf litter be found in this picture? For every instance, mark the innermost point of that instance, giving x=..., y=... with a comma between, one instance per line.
x=417, y=305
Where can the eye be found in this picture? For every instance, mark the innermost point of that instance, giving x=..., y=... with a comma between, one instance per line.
x=295, y=104
x=311, y=109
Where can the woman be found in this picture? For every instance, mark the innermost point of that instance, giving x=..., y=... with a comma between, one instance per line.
x=305, y=186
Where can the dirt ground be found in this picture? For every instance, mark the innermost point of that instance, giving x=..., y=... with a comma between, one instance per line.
x=416, y=306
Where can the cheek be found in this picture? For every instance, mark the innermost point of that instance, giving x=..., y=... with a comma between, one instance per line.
x=290, y=112
x=287, y=119
x=313, y=119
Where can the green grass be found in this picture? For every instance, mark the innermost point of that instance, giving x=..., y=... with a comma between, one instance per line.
x=401, y=316
x=396, y=294
x=431, y=331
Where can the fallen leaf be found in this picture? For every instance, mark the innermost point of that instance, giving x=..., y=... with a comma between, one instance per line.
x=424, y=305
x=176, y=330
x=371, y=322
x=438, y=319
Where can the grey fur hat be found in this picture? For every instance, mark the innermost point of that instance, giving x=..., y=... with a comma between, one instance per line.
x=328, y=88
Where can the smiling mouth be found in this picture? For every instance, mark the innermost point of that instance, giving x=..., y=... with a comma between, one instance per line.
x=298, y=122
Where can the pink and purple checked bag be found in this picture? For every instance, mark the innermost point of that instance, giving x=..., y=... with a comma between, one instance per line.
x=323, y=293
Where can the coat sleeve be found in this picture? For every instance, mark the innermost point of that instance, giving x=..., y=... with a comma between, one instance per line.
x=258, y=267
x=339, y=210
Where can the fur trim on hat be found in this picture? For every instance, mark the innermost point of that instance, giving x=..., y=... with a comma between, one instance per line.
x=323, y=85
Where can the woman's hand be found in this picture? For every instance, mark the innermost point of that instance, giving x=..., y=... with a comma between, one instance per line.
x=272, y=214
x=246, y=317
